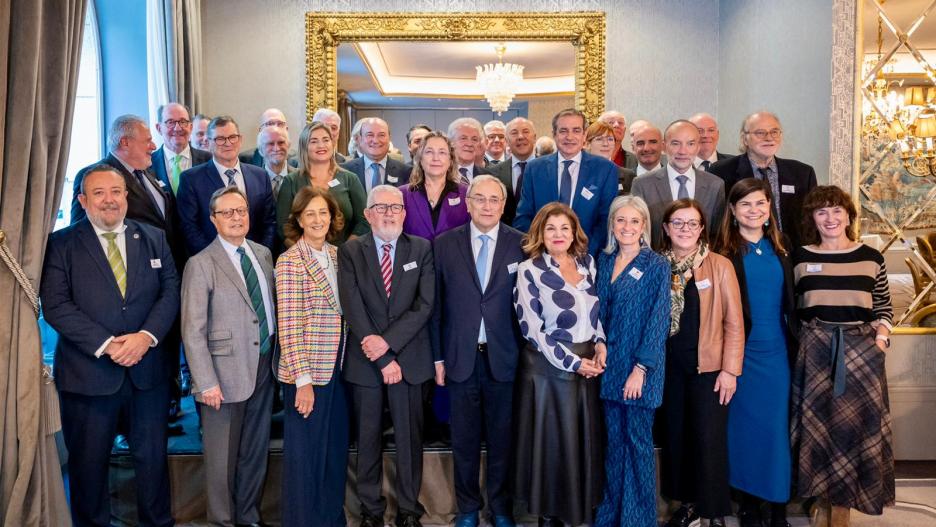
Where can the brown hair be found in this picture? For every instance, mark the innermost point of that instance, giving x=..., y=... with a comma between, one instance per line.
x=565, y=113
x=533, y=242
x=679, y=204
x=418, y=177
x=598, y=129
x=304, y=163
x=293, y=231
x=827, y=196
x=729, y=242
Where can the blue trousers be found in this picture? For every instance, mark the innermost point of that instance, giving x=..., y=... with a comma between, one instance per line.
x=630, y=468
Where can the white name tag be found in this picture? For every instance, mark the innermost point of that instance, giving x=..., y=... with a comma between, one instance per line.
x=392, y=179
x=410, y=266
x=587, y=194
x=334, y=183
x=813, y=268
x=636, y=273
x=454, y=201
x=620, y=187
x=156, y=263
x=160, y=183
x=703, y=284
x=788, y=189
x=512, y=268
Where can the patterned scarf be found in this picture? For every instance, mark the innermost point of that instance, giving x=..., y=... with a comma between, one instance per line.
x=681, y=273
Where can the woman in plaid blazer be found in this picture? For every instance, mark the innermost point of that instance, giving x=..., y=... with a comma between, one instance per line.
x=311, y=337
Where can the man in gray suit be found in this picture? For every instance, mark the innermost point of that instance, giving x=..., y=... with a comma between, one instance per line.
x=680, y=179
x=229, y=331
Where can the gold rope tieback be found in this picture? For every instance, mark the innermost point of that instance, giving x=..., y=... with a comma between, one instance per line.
x=19, y=274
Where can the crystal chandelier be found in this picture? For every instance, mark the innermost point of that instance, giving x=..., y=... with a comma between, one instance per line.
x=499, y=82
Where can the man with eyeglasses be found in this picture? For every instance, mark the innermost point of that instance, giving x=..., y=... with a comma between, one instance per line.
x=496, y=150
x=270, y=118
x=475, y=344
x=175, y=155
x=387, y=287
x=521, y=137
x=225, y=170
x=229, y=331
x=790, y=180
x=680, y=179
x=708, y=141
x=375, y=167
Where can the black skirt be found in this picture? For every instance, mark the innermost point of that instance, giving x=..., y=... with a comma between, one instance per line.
x=559, y=448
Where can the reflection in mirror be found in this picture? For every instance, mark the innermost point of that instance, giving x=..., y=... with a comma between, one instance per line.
x=433, y=83
x=897, y=152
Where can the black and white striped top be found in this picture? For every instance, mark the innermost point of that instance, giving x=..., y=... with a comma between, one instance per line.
x=843, y=287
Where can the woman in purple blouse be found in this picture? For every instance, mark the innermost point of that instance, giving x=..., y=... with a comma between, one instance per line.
x=434, y=199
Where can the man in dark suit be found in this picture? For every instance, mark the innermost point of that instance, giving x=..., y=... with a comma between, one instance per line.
x=200, y=182
x=495, y=149
x=414, y=137
x=647, y=144
x=110, y=289
x=678, y=180
x=387, y=288
x=583, y=181
x=270, y=118
x=467, y=138
x=790, y=180
x=476, y=342
x=175, y=155
x=708, y=141
x=521, y=136
x=375, y=167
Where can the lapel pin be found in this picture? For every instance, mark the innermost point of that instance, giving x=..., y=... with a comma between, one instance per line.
x=136, y=236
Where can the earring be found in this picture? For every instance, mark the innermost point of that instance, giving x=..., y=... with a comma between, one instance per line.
x=734, y=221
x=767, y=222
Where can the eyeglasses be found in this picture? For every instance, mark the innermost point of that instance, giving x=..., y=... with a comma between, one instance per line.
x=603, y=139
x=482, y=201
x=229, y=213
x=220, y=140
x=680, y=225
x=495, y=137
x=762, y=134
x=274, y=122
x=382, y=208
x=181, y=123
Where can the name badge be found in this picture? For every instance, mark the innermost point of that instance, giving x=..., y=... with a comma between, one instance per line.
x=410, y=266
x=620, y=187
x=156, y=263
x=787, y=189
x=160, y=183
x=392, y=179
x=587, y=194
x=512, y=268
x=454, y=201
x=703, y=284
x=636, y=273
x=813, y=268
x=334, y=183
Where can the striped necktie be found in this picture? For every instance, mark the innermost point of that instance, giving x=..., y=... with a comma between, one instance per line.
x=256, y=299
x=230, y=173
x=115, y=260
x=464, y=176
x=386, y=267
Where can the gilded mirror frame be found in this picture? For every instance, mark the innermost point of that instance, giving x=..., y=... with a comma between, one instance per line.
x=584, y=30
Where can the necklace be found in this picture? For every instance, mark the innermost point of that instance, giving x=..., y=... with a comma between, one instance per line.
x=757, y=248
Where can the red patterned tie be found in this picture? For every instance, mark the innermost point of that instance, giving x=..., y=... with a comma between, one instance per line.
x=386, y=268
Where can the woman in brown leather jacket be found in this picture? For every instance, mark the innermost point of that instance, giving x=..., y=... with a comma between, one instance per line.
x=703, y=358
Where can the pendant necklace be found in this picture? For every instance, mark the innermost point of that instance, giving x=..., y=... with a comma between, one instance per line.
x=757, y=248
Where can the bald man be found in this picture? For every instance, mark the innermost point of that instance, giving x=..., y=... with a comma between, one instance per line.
x=271, y=117
x=521, y=137
x=618, y=125
x=708, y=141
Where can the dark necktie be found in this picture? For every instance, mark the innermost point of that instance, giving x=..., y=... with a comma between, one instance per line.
x=519, y=187
x=771, y=177
x=230, y=173
x=464, y=176
x=683, y=191
x=705, y=164
x=256, y=299
x=375, y=175
x=565, y=187
x=157, y=201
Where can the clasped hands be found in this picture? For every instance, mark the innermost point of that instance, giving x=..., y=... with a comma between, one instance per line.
x=127, y=350
x=374, y=347
x=596, y=366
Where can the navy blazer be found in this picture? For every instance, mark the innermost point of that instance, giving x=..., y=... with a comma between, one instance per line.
x=401, y=319
x=195, y=189
x=596, y=188
x=396, y=173
x=161, y=171
x=461, y=305
x=81, y=301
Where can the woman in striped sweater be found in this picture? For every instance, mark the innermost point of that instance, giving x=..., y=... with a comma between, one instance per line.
x=840, y=418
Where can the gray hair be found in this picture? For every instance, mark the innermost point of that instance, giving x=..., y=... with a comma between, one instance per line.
x=162, y=108
x=742, y=146
x=517, y=121
x=635, y=202
x=359, y=126
x=486, y=177
x=272, y=130
x=494, y=124
x=544, y=146
x=224, y=191
x=323, y=113
x=464, y=121
x=389, y=189
x=123, y=126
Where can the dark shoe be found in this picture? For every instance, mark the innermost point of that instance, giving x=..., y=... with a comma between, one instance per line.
x=717, y=522
x=550, y=521
x=407, y=520
x=750, y=519
x=176, y=430
x=504, y=521
x=466, y=520
x=683, y=517
x=369, y=520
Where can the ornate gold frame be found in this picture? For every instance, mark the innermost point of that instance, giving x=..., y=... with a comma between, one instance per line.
x=585, y=30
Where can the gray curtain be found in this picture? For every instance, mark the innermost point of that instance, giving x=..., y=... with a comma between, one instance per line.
x=38, y=76
x=182, y=20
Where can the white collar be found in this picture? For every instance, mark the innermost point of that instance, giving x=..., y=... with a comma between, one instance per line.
x=476, y=232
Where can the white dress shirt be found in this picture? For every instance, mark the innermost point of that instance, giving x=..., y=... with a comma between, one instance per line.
x=515, y=169
x=369, y=174
x=475, y=249
x=232, y=253
x=671, y=174
x=640, y=170
x=238, y=179
x=184, y=164
x=573, y=169
x=712, y=159
x=148, y=187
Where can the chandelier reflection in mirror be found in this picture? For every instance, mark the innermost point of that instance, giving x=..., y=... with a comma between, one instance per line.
x=499, y=82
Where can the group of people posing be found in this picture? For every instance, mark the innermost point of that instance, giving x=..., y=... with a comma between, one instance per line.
x=573, y=309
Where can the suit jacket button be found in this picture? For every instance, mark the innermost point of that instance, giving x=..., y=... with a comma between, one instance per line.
x=256, y=321
x=124, y=308
x=256, y=343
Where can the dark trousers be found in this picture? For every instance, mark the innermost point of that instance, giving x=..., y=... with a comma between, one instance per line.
x=695, y=447
x=89, y=424
x=482, y=407
x=406, y=412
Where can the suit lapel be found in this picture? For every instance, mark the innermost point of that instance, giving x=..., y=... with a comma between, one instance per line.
x=224, y=263
x=500, y=252
x=373, y=263
x=401, y=258
x=423, y=214
x=311, y=264
x=467, y=253
x=663, y=187
x=134, y=263
x=552, y=178
x=93, y=246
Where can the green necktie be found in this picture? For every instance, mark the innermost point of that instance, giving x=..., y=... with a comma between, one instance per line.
x=176, y=170
x=116, y=262
x=256, y=298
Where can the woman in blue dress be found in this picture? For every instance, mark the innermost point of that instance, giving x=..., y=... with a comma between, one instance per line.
x=634, y=295
x=758, y=418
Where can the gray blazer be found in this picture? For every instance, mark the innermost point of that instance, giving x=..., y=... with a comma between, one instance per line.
x=219, y=326
x=655, y=189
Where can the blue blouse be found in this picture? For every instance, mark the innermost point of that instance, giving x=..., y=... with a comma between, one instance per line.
x=635, y=310
x=555, y=314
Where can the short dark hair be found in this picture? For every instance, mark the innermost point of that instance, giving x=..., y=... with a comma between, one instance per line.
x=685, y=203
x=224, y=191
x=221, y=120
x=292, y=231
x=565, y=113
x=409, y=132
x=100, y=167
x=827, y=196
x=534, y=243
